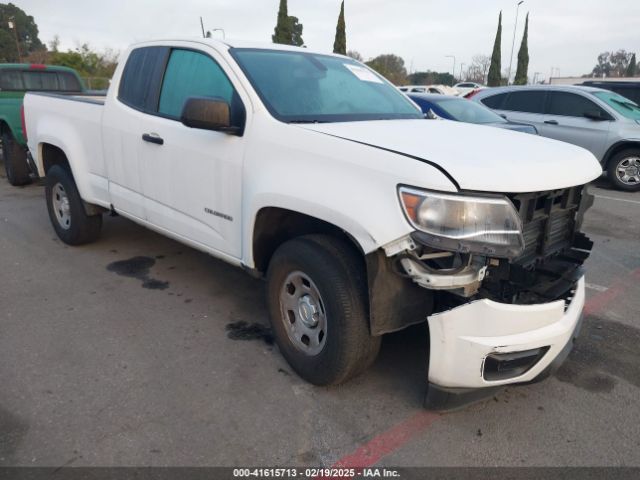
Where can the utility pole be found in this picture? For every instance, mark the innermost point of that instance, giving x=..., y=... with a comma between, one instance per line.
x=14, y=27
x=513, y=43
x=454, y=67
x=462, y=65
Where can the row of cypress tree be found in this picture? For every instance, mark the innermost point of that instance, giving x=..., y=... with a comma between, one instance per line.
x=288, y=30
x=495, y=70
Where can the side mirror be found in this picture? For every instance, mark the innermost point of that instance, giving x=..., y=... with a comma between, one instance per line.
x=596, y=115
x=209, y=114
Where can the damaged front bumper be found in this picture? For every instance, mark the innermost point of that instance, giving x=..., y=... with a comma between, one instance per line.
x=485, y=344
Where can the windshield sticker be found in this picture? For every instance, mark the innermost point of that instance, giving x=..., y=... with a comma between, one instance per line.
x=363, y=74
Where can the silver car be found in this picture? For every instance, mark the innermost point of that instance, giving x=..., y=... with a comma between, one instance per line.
x=601, y=121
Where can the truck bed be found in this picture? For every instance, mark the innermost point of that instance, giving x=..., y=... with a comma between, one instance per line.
x=96, y=98
x=77, y=119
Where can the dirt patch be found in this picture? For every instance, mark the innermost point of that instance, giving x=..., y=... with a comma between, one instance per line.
x=246, y=331
x=138, y=268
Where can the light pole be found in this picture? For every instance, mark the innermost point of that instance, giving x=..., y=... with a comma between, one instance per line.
x=454, y=67
x=14, y=27
x=462, y=65
x=513, y=43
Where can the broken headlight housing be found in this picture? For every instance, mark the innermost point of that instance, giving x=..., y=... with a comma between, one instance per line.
x=486, y=225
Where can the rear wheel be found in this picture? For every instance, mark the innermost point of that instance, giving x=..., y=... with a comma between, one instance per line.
x=15, y=161
x=318, y=307
x=66, y=209
x=624, y=170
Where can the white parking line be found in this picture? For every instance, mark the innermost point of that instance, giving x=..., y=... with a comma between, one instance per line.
x=618, y=199
x=597, y=288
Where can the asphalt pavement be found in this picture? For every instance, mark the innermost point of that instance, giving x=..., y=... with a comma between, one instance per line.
x=137, y=350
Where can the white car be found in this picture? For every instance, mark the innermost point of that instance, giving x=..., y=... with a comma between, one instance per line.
x=435, y=89
x=314, y=172
x=465, y=88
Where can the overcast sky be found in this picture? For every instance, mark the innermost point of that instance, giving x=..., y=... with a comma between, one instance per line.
x=565, y=34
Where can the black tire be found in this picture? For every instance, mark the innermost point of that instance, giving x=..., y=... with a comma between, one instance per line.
x=79, y=228
x=618, y=160
x=15, y=161
x=339, y=275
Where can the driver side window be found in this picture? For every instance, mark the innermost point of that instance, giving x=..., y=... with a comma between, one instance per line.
x=191, y=74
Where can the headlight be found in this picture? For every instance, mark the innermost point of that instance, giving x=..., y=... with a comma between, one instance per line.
x=467, y=224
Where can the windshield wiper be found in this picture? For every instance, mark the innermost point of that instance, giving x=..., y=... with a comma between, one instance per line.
x=307, y=121
x=629, y=105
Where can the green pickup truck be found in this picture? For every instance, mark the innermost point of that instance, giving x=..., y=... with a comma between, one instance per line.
x=15, y=80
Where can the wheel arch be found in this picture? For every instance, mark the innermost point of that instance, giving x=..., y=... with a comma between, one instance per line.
x=50, y=155
x=394, y=302
x=273, y=226
x=617, y=148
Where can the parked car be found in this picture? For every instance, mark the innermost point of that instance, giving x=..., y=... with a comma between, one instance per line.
x=601, y=121
x=630, y=90
x=314, y=172
x=465, y=87
x=435, y=89
x=463, y=110
x=15, y=80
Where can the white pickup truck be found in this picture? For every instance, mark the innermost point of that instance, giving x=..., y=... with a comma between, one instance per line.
x=313, y=171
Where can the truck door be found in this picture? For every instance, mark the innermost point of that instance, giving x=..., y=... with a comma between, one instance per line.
x=124, y=111
x=192, y=178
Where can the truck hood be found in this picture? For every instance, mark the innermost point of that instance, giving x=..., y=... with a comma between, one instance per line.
x=475, y=157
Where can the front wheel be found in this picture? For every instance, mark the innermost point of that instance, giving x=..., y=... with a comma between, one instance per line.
x=624, y=170
x=66, y=209
x=316, y=292
x=15, y=161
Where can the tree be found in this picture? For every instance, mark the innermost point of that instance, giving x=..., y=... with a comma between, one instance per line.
x=296, y=28
x=431, y=78
x=340, y=43
x=95, y=67
x=283, y=33
x=477, y=71
x=355, y=55
x=24, y=28
x=495, y=77
x=288, y=30
x=612, y=64
x=391, y=67
x=632, y=68
x=523, y=57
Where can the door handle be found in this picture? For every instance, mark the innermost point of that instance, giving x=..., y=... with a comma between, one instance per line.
x=153, y=138
x=551, y=122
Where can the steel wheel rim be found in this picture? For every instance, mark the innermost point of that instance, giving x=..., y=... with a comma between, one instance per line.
x=303, y=313
x=61, y=206
x=628, y=170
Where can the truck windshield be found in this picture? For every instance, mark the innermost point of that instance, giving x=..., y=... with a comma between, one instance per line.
x=299, y=87
x=620, y=104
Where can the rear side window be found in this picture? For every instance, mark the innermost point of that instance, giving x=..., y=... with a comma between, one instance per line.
x=35, y=80
x=141, y=78
x=11, y=80
x=495, y=101
x=191, y=74
x=68, y=82
x=526, y=102
x=570, y=105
